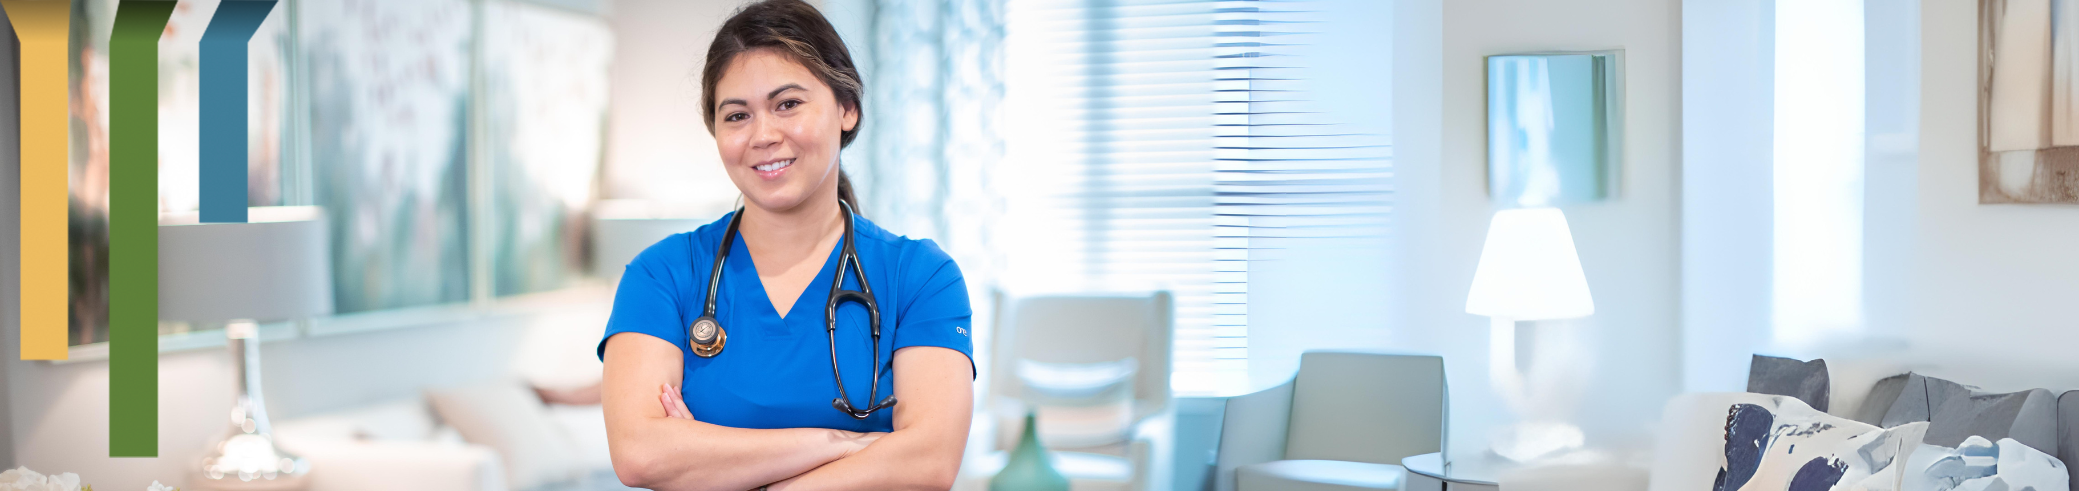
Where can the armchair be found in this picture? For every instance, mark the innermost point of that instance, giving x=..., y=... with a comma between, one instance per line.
x=1343, y=423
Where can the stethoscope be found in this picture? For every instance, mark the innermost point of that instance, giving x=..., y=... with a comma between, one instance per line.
x=708, y=337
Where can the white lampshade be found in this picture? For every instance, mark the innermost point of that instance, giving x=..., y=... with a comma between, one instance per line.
x=1529, y=270
x=273, y=268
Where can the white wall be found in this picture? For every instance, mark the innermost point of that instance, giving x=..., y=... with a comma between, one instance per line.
x=657, y=147
x=1727, y=180
x=1628, y=246
x=1990, y=288
x=1979, y=293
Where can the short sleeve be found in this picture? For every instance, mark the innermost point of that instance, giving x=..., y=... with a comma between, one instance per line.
x=936, y=312
x=646, y=301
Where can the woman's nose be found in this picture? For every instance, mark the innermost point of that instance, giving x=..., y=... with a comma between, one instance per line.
x=764, y=133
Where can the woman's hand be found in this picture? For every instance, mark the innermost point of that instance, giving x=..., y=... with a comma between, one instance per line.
x=674, y=403
x=675, y=407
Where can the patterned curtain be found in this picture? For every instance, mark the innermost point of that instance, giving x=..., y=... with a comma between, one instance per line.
x=934, y=83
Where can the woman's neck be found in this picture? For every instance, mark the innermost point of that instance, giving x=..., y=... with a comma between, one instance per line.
x=794, y=232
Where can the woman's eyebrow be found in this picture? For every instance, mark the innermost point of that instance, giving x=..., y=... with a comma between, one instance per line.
x=783, y=88
x=769, y=95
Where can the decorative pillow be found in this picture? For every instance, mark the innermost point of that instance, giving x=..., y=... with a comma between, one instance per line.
x=1805, y=380
x=1792, y=447
x=1981, y=465
x=1882, y=396
x=510, y=419
x=2068, y=432
x=2029, y=417
x=1918, y=398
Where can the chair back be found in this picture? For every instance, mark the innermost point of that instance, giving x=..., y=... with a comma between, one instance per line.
x=1366, y=407
x=1089, y=329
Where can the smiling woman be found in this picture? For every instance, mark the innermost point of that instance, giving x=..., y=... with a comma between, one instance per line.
x=715, y=371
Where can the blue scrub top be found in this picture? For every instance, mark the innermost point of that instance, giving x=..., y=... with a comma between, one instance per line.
x=774, y=372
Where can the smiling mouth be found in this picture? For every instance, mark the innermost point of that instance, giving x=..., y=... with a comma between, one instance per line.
x=774, y=166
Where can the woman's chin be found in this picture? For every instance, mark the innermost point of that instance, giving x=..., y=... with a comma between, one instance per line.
x=777, y=201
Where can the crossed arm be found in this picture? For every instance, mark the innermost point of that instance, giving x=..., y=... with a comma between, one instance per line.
x=657, y=444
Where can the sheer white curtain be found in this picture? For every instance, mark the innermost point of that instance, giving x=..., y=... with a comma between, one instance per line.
x=1120, y=145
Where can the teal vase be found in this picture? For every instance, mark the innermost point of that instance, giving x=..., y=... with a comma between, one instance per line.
x=1028, y=468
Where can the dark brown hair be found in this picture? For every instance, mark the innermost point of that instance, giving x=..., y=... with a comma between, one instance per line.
x=798, y=30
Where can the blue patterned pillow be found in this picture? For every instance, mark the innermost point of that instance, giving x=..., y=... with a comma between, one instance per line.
x=1792, y=447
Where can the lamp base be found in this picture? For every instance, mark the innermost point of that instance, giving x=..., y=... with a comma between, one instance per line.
x=249, y=461
x=247, y=458
x=1528, y=441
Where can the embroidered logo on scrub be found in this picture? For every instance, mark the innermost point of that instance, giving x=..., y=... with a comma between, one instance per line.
x=961, y=330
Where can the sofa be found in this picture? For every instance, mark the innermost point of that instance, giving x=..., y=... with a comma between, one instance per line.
x=1919, y=419
x=494, y=436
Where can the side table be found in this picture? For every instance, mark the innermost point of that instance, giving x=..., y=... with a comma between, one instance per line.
x=1429, y=472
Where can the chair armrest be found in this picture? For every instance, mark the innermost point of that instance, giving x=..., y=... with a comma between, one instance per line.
x=1252, y=431
x=362, y=465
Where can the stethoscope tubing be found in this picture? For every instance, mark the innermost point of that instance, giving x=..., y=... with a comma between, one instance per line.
x=848, y=257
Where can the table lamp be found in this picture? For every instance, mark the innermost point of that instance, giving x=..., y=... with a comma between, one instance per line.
x=1528, y=272
x=272, y=268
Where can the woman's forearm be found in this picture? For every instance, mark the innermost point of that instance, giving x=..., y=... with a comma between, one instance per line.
x=903, y=460
x=656, y=443
x=670, y=454
x=935, y=387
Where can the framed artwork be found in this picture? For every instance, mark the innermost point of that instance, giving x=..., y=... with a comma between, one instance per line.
x=545, y=103
x=2028, y=101
x=382, y=140
x=389, y=128
x=1553, y=122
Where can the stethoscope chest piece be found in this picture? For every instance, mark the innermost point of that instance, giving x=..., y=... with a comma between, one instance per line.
x=707, y=337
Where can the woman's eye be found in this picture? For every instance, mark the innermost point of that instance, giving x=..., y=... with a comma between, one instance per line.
x=789, y=104
x=734, y=117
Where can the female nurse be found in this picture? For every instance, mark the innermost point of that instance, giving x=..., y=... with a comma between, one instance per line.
x=752, y=405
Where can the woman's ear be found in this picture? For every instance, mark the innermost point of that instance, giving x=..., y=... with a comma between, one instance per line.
x=851, y=116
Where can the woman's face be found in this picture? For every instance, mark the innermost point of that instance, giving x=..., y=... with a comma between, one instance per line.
x=777, y=127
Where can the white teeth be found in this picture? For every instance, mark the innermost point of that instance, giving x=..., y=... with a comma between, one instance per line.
x=774, y=166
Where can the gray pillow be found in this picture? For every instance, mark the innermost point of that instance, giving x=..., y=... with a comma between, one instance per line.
x=1804, y=380
x=2068, y=432
x=1917, y=399
x=1882, y=396
x=2029, y=417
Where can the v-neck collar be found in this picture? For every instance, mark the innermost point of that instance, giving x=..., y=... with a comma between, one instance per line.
x=740, y=265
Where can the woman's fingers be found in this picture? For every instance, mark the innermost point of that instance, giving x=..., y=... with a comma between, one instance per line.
x=673, y=406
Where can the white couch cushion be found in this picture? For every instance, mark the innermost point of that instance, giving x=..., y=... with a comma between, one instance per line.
x=586, y=427
x=400, y=420
x=510, y=419
x=364, y=465
x=1317, y=475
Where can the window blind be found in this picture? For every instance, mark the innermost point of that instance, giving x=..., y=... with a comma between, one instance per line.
x=1162, y=144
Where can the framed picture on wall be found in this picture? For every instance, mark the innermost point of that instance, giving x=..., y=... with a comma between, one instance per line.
x=2028, y=101
x=1553, y=126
